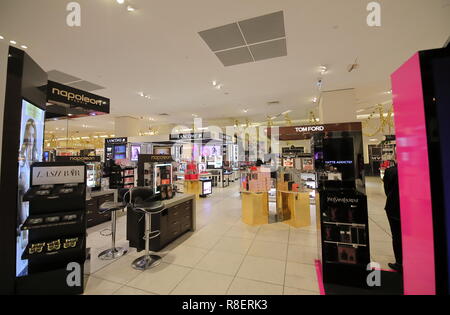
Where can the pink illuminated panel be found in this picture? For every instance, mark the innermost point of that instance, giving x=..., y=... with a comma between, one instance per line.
x=414, y=179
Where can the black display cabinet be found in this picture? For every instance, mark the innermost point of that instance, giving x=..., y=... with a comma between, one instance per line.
x=56, y=226
x=344, y=237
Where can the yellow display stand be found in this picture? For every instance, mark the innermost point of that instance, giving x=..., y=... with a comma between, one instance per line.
x=193, y=187
x=294, y=208
x=255, y=208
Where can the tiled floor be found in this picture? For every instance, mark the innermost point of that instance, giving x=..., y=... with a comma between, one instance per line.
x=224, y=256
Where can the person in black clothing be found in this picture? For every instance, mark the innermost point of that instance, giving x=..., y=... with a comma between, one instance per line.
x=393, y=213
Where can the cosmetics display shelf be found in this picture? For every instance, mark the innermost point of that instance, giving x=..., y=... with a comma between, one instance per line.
x=75, y=245
x=55, y=227
x=344, y=235
x=52, y=220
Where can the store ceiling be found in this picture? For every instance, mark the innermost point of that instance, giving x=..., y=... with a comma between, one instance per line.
x=157, y=50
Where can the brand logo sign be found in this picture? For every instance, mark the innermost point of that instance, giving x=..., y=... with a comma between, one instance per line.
x=342, y=200
x=78, y=158
x=310, y=129
x=159, y=158
x=59, y=93
x=116, y=141
x=54, y=175
x=190, y=136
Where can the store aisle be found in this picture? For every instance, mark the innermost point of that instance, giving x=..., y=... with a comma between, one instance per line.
x=380, y=235
x=225, y=256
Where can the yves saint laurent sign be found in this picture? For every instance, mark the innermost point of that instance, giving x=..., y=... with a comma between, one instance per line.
x=63, y=94
x=342, y=200
x=54, y=175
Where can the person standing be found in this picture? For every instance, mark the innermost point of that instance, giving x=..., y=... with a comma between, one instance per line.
x=392, y=208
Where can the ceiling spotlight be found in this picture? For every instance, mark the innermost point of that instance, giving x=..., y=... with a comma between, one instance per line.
x=141, y=94
x=120, y=1
x=245, y=110
x=131, y=9
x=315, y=100
x=319, y=84
x=214, y=83
x=24, y=47
x=13, y=42
x=1, y=37
x=323, y=69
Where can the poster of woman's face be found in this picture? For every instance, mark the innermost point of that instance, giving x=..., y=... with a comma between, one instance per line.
x=135, y=151
x=30, y=151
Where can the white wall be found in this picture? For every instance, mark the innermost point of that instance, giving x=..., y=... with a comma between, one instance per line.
x=3, y=69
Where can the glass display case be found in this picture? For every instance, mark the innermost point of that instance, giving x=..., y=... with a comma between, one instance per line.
x=94, y=175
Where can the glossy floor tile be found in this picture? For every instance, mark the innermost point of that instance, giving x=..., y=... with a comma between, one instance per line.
x=225, y=256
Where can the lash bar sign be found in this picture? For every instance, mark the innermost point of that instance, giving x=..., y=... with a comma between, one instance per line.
x=55, y=175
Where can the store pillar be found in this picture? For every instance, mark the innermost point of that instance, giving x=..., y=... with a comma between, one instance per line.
x=126, y=127
x=338, y=107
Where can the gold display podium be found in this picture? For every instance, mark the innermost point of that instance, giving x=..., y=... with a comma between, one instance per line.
x=255, y=208
x=193, y=187
x=293, y=208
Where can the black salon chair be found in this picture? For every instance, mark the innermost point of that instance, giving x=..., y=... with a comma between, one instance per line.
x=114, y=252
x=143, y=202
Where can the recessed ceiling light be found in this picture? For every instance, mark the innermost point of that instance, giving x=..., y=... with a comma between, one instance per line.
x=131, y=9
x=323, y=69
x=245, y=110
x=1, y=37
x=24, y=47
x=214, y=83
x=13, y=42
x=120, y=1
x=314, y=100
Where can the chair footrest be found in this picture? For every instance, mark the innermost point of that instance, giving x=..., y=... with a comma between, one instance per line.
x=152, y=235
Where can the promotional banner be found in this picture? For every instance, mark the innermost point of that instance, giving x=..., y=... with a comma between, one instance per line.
x=30, y=151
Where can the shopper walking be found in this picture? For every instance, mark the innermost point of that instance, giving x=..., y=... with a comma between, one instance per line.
x=393, y=213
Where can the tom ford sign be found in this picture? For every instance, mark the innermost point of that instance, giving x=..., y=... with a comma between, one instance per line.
x=310, y=129
x=306, y=132
x=63, y=94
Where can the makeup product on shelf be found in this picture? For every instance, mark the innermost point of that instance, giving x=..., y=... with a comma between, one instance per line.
x=43, y=192
x=54, y=246
x=36, y=221
x=70, y=243
x=54, y=219
x=70, y=217
x=36, y=248
x=66, y=191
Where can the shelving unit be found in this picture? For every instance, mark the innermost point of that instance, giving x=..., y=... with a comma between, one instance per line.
x=56, y=228
x=344, y=235
x=128, y=177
